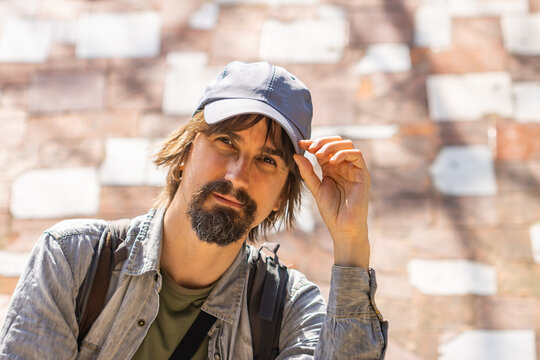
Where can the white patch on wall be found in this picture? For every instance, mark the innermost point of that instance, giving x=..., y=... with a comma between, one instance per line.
x=534, y=232
x=25, y=41
x=469, y=97
x=487, y=7
x=490, y=344
x=464, y=171
x=452, y=277
x=433, y=26
x=119, y=35
x=330, y=12
x=385, y=58
x=527, y=97
x=12, y=263
x=186, y=79
x=521, y=34
x=54, y=193
x=128, y=163
x=205, y=18
x=304, y=41
x=27, y=8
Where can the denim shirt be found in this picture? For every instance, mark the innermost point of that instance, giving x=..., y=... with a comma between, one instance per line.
x=41, y=321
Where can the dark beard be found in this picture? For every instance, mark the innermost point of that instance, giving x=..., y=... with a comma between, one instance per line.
x=221, y=225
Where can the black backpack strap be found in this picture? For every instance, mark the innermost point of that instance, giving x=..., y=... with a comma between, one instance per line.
x=266, y=299
x=110, y=251
x=194, y=337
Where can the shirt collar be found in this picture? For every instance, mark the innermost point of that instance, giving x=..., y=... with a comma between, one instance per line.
x=145, y=253
x=230, y=286
x=146, y=237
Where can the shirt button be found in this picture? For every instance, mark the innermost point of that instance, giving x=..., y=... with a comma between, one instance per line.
x=217, y=357
x=141, y=322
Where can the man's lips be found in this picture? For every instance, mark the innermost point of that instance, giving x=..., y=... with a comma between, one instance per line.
x=227, y=200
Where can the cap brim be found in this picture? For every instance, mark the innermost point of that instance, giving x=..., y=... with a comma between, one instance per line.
x=220, y=110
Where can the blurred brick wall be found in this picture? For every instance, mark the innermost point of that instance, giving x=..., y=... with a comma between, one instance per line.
x=443, y=98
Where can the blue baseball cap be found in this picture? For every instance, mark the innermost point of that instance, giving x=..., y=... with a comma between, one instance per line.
x=260, y=88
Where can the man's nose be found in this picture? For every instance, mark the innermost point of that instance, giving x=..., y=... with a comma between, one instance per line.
x=238, y=173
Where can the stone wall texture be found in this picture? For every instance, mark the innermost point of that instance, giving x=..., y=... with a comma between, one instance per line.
x=442, y=97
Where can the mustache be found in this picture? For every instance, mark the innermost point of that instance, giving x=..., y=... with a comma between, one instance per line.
x=225, y=187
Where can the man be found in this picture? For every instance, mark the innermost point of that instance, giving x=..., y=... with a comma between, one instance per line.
x=234, y=171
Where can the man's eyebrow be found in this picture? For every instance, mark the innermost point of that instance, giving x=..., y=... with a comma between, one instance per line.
x=273, y=151
x=265, y=149
x=232, y=134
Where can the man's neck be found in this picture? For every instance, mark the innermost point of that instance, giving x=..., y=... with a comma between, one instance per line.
x=190, y=262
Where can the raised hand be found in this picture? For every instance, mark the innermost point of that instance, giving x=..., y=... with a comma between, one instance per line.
x=342, y=195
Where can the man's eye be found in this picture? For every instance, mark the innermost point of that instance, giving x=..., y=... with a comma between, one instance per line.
x=268, y=160
x=225, y=140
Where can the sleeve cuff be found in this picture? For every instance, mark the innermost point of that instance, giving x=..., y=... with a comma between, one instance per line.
x=352, y=292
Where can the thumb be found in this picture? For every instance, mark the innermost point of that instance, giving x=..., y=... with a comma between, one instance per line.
x=308, y=174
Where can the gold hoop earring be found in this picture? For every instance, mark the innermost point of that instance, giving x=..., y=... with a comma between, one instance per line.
x=269, y=218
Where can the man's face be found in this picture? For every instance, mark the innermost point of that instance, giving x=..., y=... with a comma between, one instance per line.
x=231, y=181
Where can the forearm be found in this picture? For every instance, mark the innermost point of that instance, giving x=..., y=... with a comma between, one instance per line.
x=352, y=251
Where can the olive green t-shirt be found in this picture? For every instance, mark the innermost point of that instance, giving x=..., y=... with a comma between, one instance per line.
x=178, y=308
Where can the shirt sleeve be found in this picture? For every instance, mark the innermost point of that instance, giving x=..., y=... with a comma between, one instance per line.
x=40, y=321
x=353, y=327
x=349, y=328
